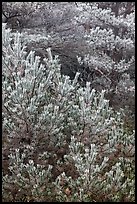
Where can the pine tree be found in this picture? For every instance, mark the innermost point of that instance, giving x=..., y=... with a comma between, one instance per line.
x=63, y=141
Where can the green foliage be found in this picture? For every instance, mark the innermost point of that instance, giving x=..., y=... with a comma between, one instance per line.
x=62, y=141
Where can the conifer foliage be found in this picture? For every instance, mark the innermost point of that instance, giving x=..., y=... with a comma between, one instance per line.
x=62, y=142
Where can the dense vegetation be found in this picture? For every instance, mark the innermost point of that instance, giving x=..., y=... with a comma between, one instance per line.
x=68, y=101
